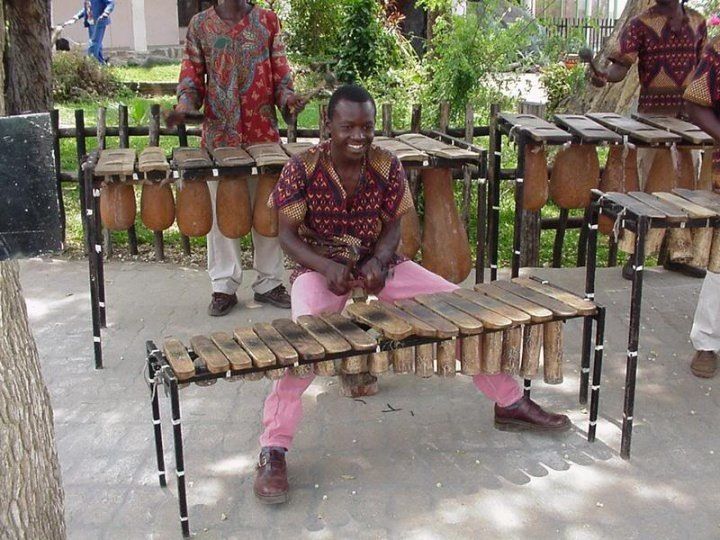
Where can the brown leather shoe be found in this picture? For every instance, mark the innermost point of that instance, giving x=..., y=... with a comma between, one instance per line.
x=704, y=364
x=221, y=304
x=529, y=416
x=271, y=483
x=278, y=297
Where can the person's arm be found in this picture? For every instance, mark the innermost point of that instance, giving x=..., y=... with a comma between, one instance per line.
x=284, y=94
x=191, y=87
x=396, y=202
x=289, y=197
x=109, y=7
x=702, y=95
x=621, y=60
x=704, y=118
x=338, y=275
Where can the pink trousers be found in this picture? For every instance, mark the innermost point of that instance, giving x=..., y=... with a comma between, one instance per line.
x=310, y=295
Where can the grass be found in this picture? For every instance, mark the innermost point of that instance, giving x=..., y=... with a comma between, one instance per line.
x=163, y=73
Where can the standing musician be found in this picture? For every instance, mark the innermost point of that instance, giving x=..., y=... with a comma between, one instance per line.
x=235, y=68
x=703, y=106
x=666, y=40
x=340, y=205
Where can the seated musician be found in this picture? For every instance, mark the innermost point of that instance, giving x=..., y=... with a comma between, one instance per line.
x=666, y=41
x=339, y=206
x=703, y=103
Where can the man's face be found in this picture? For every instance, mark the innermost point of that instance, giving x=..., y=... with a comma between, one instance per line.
x=352, y=128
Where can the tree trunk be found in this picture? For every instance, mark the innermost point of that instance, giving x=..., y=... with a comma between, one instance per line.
x=28, y=85
x=618, y=97
x=31, y=495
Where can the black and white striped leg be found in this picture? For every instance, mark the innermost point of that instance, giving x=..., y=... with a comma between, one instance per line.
x=591, y=222
x=519, y=196
x=153, y=383
x=633, y=337
x=597, y=372
x=527, y=384
x=179, y=458
x=91, y=239
x=100, y=258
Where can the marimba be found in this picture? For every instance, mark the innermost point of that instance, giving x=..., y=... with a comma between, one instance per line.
x=110, y=177
x=638, y=212
x=496, y=327
x=576, y=170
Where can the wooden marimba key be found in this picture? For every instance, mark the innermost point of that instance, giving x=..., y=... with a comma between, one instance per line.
x=497, y=327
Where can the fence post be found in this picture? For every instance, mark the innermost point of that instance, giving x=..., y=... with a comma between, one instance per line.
x=183, y=141
x=467, y=176
x=55, y=125
x=154, y=140
x=123, y=128
x=530, y=233
x=101, y=138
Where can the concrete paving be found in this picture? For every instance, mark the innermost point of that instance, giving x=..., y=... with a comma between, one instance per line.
x=432, y=468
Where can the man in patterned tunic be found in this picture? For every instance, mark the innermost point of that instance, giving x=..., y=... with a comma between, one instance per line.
x=666, y=41
x=340, y=205
x=703, y=106
x=235, y=68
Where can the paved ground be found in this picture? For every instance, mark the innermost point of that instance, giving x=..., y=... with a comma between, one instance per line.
x=434, y=468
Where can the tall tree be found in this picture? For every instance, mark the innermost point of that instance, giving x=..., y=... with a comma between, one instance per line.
x=31, y=495
x=617, y=97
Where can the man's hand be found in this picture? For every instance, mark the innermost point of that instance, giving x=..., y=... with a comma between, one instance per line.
x=338, y=278
x=373, y=273
x=174, y=117
x=295, y=104
x=103, y=15
x=599, y=79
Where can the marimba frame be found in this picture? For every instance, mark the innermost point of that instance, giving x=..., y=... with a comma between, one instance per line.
x=160, y=373
x=640, y=225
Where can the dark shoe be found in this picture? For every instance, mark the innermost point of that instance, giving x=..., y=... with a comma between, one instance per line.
x=529, y=416
x=685, y=269
x=704, y=364
x=627, y=270
x=221, y=304
x=271, y=483
x=278, y=297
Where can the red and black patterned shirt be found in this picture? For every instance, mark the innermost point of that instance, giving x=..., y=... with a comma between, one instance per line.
x=704, y=90
x=343, y=227
x=238, y=74
x=666, y=59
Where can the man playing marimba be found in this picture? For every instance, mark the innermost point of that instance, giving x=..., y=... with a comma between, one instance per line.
x=236, y=70
x=339, y=206
x=666, y=41
x=703, y=103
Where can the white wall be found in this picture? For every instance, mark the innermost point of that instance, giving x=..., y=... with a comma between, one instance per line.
x=160, y=26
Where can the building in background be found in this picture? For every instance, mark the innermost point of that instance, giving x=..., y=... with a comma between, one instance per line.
x=137, y=26
x=574, y=9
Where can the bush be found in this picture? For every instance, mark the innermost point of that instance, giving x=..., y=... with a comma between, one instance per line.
x=367, y=44
x=77, y=77
x=561, y=83
x=313, y=29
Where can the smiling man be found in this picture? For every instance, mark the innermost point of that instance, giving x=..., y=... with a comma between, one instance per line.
x=340, y=205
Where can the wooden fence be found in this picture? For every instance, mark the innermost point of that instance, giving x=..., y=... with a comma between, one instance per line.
x=593, y=31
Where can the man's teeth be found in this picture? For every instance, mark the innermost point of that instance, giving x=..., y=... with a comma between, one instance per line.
x=355, y=146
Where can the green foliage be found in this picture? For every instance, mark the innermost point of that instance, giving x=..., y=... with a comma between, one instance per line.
x=78, y=77
x=465, y=57
x=555, y=47
x=367, y=44
x=560, y=83
x=313, y=29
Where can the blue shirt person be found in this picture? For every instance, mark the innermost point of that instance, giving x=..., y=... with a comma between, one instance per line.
x=96, y=18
